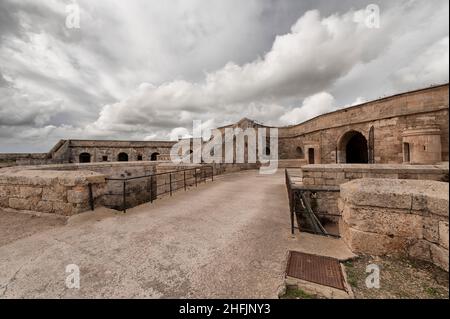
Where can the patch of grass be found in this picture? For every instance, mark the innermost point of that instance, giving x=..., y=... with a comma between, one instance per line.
x=433, y=292
x=297, y=293
x=348, y=263
x=352, y=277
x=400, y=278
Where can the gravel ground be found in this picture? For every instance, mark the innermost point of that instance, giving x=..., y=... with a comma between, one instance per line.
x=399, y=279
x=14, y=226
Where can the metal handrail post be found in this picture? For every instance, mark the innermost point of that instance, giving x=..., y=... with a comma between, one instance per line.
x=195, y=175
x=151, y=189
x=124, y=196
x=91, y=197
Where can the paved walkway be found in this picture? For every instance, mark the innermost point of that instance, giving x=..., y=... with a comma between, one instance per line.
x=226, y=239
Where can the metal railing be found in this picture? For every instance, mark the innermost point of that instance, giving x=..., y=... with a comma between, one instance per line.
x=161, y=183
x=299, y=206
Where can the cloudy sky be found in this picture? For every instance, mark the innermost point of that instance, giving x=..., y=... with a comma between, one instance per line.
x=144, y=69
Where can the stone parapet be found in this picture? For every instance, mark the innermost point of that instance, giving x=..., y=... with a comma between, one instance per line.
x=326, y=175
x=337, y=174
x=404, y=217
x=55, y=192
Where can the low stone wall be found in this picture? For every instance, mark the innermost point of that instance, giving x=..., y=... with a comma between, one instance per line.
x=143, y=190
x=13, y=159
x=63, y=188
x=289, y=163
x=337, y=174
x=63, y=193
x=404, y=217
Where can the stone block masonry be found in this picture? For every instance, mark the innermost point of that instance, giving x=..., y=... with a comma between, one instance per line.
x=400, y=217
x=54, y=192
x=62, y=189
x=410, y=127
x=337, y=174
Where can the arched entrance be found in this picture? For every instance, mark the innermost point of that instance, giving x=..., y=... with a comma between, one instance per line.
x=85, y=158
x=122, y=157
x=154, y=156
x=353, y=148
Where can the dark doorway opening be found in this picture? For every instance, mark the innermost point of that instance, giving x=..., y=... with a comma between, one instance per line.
x=406, y=152
x=85, y=158
x=299, y=152
x=356, y=151
x=122, y=157
x=154, y=156
x=310, y=155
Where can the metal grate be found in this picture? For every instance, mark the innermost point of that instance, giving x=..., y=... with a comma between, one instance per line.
x=317, y=269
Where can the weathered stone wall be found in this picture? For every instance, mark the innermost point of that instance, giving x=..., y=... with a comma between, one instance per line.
x=405, y=217
x=142, y=190
x=12, y=159
x=28, y=187
x=137, y=190
x=111, y=150
x=68, y=151
x=63, y=193
x=337, y=174
x=390, y=117
x=418, y=119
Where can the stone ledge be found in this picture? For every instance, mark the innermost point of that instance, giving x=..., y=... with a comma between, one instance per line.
x=378, y=168
x=413, y=195
x=48, y=178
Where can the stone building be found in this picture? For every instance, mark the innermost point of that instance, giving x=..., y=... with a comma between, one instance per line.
x=85, y=151
x=90, y=151
x=410, y=128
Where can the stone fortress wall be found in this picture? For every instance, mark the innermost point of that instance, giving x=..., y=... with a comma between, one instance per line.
x=410, y=127
x=65, y=189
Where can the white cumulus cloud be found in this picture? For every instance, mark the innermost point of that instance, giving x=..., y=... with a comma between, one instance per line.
x=312, y=106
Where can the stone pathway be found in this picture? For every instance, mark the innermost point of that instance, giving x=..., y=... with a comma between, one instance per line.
x=226, y=239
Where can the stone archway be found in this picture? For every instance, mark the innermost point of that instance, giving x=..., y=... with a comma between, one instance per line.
x=85, y=158
x=353, y=148
x=122, y=157
x=154, y=156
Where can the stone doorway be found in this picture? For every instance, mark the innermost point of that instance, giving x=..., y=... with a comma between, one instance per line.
x=122, y=157
x=353, y=148
x=85, y=158
x=154, y=156
x=311, y=156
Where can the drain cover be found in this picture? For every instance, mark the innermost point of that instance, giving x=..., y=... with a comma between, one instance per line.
x=317, y=269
